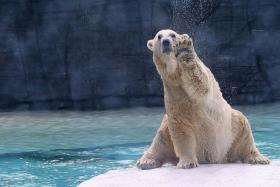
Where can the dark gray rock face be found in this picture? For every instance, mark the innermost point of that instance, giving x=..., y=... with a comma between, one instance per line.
x=86, y=54
x=239, y=41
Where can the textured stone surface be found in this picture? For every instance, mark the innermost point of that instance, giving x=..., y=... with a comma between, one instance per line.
x=238, y=42
x=92, y=54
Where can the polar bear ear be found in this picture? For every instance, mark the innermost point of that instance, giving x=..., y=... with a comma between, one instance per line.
x=150, y=45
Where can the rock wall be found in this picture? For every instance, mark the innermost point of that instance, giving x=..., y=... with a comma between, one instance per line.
x=86, y=54
x=238, y=41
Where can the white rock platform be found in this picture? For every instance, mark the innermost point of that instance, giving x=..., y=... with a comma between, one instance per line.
x=205, y=175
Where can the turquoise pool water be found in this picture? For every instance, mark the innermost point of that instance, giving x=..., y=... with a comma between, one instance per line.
x=66, y=148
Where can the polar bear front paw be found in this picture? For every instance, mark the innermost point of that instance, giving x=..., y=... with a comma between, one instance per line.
x=183, y=46
x=187, y=164
x=148, y=163
x=257, y=159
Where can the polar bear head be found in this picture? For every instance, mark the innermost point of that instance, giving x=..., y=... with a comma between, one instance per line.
x=168, y=48
x=165, y=42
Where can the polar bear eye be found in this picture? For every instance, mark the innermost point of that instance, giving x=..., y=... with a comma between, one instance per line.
x=159, y=37
x=173, y=35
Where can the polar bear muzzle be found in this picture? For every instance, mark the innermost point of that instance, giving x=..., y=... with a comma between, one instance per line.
x=166, y=46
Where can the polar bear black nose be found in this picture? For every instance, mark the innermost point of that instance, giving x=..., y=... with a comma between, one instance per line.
x=165, y=42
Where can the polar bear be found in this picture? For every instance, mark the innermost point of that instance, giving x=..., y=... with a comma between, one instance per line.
x=199, y=125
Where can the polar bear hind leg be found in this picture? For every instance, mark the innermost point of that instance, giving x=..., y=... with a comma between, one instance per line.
x=161, y=150
x=243, y=147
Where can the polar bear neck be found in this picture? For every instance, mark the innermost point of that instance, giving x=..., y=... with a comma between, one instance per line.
x=185, y=85
x=168, y=69
x=166, y=62
x=192, y=78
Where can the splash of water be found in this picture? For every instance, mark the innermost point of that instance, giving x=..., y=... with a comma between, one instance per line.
x=189, y=14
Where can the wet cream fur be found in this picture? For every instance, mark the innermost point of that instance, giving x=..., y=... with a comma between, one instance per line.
x=199, y=125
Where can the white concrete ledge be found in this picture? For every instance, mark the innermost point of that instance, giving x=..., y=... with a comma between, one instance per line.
x=205, y=175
